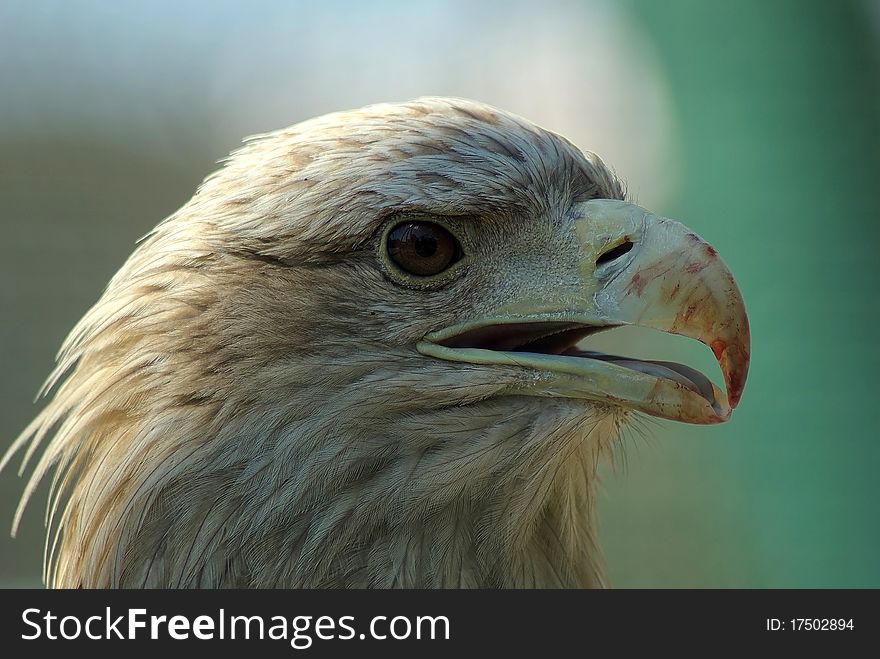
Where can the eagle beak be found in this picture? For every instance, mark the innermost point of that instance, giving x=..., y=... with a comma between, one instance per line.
x=635, y=268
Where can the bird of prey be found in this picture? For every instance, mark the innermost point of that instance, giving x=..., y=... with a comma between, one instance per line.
x=359, y=357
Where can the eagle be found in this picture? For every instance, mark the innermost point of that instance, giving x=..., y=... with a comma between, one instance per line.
x=358, y=357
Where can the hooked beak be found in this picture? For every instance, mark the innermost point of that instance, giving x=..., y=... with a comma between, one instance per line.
x=635, y=269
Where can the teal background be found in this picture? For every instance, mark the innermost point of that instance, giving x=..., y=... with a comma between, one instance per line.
x=755, y=122
x=779, y=118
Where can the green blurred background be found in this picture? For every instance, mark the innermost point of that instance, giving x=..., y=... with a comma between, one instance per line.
x=757, y=123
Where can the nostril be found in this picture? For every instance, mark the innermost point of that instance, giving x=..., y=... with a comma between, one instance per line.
x=615, y=252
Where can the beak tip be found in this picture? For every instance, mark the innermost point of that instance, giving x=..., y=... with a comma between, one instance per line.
x=733, y=358
x=735, y=372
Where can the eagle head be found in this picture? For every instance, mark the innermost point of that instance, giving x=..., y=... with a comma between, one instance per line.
x=352, y=359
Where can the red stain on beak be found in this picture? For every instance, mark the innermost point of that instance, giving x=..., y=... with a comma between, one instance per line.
x=637, y=284
x=734, y=361
x=735, y=372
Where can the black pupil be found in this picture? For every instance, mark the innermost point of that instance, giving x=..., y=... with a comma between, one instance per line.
x=426, y=245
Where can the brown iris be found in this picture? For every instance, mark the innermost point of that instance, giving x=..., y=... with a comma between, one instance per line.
x=422, y=248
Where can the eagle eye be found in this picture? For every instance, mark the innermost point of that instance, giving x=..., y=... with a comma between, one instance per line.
x=422, y=248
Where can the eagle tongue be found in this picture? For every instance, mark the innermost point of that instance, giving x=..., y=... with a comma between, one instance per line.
x=683, y=375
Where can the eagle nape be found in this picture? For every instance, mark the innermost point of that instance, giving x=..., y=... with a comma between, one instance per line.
x=359, y=357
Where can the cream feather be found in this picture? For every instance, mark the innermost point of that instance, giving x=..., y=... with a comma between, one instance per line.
x=243, y=405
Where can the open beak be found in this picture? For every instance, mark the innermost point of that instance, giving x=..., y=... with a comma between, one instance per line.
x=635, y=269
